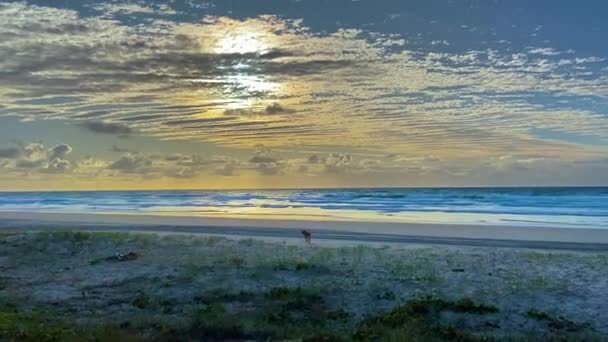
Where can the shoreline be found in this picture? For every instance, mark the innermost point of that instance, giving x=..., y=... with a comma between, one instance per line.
x=326, y=231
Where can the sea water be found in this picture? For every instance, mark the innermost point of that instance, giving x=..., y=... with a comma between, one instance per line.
x=551, y=207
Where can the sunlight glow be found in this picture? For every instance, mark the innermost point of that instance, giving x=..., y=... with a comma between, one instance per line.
x=241, y=42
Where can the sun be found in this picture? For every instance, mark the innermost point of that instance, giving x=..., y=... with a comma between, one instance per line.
x=241, y=42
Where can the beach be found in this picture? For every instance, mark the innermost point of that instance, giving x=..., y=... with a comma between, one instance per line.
x=330, y=232
x=217, y=279
x=310, y=171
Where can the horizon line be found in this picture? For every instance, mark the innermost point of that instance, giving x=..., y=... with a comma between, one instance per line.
x=321, y=188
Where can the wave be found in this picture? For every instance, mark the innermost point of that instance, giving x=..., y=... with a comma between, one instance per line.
x=585, y=206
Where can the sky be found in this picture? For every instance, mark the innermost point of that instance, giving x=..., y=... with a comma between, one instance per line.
x=191, y=94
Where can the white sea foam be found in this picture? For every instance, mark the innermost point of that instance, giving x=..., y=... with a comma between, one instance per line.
x=556, y=207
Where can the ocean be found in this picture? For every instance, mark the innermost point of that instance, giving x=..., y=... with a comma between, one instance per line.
x=551, y=207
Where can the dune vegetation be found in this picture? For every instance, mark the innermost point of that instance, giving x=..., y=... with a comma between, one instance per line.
x=107, y=286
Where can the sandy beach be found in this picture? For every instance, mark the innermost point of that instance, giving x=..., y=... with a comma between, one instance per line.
x=328, y=232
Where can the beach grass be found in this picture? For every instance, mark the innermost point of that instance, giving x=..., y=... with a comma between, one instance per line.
x=66, y=285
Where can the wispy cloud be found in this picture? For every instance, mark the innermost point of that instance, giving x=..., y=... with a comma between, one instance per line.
x=106, y=127
x=236, y=82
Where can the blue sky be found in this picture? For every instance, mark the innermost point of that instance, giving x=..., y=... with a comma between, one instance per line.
x=174, y=94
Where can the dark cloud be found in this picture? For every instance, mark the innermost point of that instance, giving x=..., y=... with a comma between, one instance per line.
x=262, y=156
x=314, y=159
x=131, y=163
x=197, y=121
x=36, y=157
x=106, y=127
x=143, y=117
x=10, y=152
x=236, y=112
x=178, y=157
x=275, y=108
x=59, y=151
x=266, y=164
x=269, y=168
x=174, y=165
x=306, y=68
x=257, y=159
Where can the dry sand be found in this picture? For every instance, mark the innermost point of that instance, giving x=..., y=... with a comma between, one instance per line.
x=330, y=232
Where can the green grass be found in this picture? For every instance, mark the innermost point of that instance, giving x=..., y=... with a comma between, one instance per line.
x=303, y=266
x=416, y=270
x=386, y=295
x=234, y=261
x=419, y=320
x=38, y=327
x=148, y=303
x=200, y=288
x=280, y=313
x=557, y=322
x=141, y=301
x=538, y=315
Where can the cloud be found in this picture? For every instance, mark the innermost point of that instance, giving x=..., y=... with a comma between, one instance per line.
x=35, y=157
x=131, y=163
x=10, y=152
x=228, y=169
x=59, y=165
x=262, y=156
x=514, y=163
x=314, y=159
x=265, y=164
x=106, y=127
x=34, y=152
x=119, y=149
x=31, y=164
x=59, y=151
x=174, y=165
x=338, y=162
x=275, y=108
x=257, y=159
x=56, y=159
x=123, y=9
x=349, y=90
x=270, y=168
